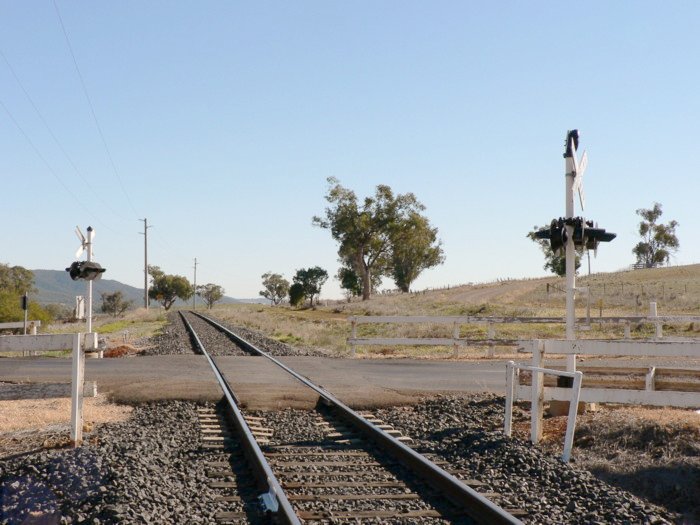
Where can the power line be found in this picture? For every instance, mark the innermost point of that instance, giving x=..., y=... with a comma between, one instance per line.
x=92, y=108
x=55, y=139
x=49, y=167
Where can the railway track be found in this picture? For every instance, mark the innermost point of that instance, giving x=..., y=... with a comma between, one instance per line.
x=333, y=465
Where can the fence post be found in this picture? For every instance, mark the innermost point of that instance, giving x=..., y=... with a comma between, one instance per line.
x=491, y=334
x=455, y=336
x=573, y=411
x=353, y=336
x=537, y=400
x=653, y=313
x=628, y=333
x=78, y=376
x=588, y=305
x=510, y=394
x=650, y=379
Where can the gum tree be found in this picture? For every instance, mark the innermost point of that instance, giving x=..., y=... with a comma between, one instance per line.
x=658, y=240
x=368, y=231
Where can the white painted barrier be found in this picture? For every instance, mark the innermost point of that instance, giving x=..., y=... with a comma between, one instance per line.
x=536, y=402
x=491, y=322
x=52, y=342
x=648, y=396
x=31, y=325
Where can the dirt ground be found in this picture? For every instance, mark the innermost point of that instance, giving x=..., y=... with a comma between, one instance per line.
x=29, y=424
x=653, y=453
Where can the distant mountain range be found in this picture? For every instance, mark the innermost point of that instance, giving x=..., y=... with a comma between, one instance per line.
x=56, y=287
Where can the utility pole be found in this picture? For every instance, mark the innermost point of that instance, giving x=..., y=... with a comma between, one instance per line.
x=194, y=295
x=88, y=248
x=145, y=261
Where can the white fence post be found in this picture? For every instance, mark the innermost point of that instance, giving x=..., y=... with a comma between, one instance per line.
x=510, y=394
x=353, y=336
x=573, y=411
x=650, y=379
x=78, y=376
x=455, y=336
x=537, y=400
x=659, y=326
x=491, y=334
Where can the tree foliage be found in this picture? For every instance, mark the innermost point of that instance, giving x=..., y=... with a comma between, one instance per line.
x=369, y=232
x=114, y=304
x=309, y=282
x=16, y=279
x=296, y=294
x=349, y=281
x=414, y=248
x=166, y=289
x=11, y=309
x=210, y=293
x=553, y=262
x=659, y=241
x=276, y=287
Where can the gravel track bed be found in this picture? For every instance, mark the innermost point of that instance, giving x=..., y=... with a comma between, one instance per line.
x=174, y=339
x=467, y=433
x=149, y=469
x=269, y=345
x=214, y=340
x=296, y=432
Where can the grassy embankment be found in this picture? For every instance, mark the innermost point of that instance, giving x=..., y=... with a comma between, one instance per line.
x=676, y=291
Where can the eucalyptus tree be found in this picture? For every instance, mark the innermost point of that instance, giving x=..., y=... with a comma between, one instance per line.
x=658, y=240
x=369, y=231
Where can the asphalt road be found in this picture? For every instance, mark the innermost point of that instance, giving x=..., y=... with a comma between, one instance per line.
x=358, y=382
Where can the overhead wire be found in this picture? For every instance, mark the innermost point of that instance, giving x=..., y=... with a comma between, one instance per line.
x=162, y=242
x=55, y=138
x=92, y=109
x=49, y=167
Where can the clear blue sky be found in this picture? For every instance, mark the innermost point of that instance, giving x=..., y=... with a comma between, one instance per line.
x=224, y=119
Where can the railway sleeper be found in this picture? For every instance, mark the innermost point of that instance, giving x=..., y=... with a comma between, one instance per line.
x=368, y=514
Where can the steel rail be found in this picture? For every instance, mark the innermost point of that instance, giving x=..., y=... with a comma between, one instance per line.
x=274, y=500
x=464, y=497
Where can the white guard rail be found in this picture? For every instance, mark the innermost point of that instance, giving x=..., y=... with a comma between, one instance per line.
x=591, y=347
x=51, y=342
x=536, y=402
x=491, y=323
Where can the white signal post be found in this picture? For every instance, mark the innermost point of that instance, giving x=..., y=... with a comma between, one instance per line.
x=88, y=248
x=86, y=245
x=574, y=174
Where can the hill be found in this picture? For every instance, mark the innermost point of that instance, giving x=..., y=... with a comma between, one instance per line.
x=56, y=287
x=676, y=290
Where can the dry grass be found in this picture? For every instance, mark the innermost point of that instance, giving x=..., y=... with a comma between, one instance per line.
x=676, y=290
x=38, y=414
x=327, y=327
x=139, y=323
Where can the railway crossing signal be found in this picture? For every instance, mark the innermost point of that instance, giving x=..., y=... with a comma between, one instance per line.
x=570, y=232
x=586, y=234
x=85, y=270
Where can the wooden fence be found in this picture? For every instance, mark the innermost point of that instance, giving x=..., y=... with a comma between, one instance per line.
x=491, y=340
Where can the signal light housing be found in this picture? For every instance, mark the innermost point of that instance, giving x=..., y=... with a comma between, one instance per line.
x=586, y=234
x=85, y=270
